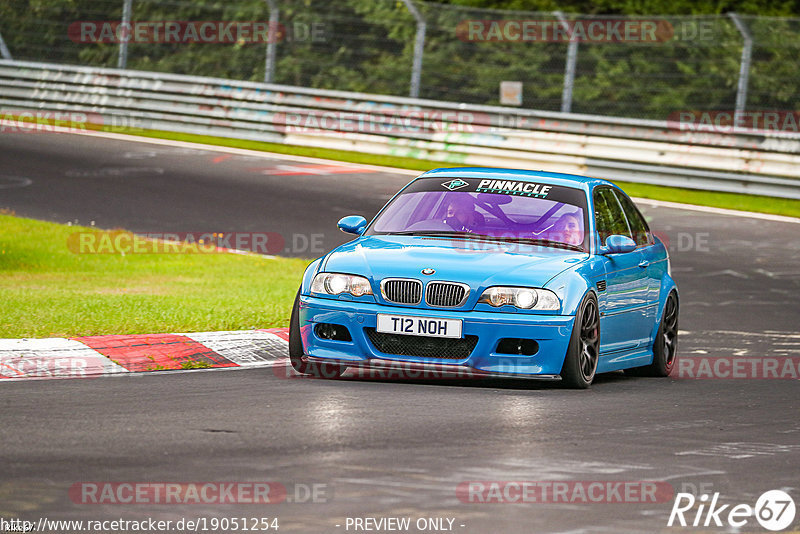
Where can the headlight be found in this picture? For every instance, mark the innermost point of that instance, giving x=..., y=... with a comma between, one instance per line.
x=336, y=284
x=526, y=298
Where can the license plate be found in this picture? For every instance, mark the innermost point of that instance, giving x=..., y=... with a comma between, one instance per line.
x=419, y=326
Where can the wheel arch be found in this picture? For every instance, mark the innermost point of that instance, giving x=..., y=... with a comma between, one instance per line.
x=573, y=361
x=668, y=286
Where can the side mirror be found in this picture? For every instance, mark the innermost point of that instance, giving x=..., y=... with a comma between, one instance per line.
x=352, y=224
x=617, y=244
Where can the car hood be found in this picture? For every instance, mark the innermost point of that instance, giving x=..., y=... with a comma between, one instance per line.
x=479, y=264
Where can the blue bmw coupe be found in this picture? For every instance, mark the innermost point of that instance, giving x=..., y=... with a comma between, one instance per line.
x=495, y=271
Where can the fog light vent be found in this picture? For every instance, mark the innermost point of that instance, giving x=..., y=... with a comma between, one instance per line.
x=518, y=346
x=335, y=332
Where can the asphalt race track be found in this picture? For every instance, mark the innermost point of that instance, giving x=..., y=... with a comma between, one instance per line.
x=393, y=448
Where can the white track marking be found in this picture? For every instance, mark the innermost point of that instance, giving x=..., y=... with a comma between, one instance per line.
x=739, y=450
x=48, y=358
x=717, y=211
x=52, y=358
x=759, y=334
x=243, y=347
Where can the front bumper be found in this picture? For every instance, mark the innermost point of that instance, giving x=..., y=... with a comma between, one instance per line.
x=551, y=332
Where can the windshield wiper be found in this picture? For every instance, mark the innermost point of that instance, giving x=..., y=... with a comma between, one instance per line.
x=439, y=233
x=484, y=237
x=542, y=242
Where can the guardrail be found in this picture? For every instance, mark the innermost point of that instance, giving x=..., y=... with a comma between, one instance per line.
x=608, y=147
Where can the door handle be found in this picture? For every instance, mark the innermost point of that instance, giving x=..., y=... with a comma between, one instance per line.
x=644, y=263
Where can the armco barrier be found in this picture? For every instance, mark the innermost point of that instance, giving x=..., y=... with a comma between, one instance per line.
x=615, y=148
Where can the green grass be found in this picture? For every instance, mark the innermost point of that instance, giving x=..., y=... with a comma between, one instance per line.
x=778, y=206
x=48, y=291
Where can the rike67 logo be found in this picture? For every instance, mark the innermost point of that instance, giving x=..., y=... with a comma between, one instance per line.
x=774, y=510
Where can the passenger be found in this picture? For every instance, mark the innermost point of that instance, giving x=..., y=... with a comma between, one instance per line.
x=567, y=229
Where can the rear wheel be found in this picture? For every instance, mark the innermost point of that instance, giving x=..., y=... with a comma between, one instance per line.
x=665, y=346
x=298, y=358
x=583, y=352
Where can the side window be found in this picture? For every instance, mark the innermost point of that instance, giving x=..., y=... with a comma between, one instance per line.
x=641, y=233
x=608, y=215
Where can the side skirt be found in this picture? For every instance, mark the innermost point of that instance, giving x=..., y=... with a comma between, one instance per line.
x=623, y=360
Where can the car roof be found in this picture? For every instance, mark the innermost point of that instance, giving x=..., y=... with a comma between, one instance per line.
x=553, y=178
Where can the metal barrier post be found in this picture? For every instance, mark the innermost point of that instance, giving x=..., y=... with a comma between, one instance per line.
x=4, y=49
x=122, y=59
x=419, y=48
x=569, y=69
x=744, y=68
x=272, y=41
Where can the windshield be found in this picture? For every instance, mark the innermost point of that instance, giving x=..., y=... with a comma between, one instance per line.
x=503, y=210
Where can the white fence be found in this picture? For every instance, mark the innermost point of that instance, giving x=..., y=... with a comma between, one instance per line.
x=618, y=149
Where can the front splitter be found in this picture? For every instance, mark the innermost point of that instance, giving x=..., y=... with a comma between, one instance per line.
x=422, y=370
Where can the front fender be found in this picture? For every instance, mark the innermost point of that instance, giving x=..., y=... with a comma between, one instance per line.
x=308, y=275
x=571, y=287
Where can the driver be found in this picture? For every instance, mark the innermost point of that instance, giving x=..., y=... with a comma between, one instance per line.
x=567, y=229
x=461, y=215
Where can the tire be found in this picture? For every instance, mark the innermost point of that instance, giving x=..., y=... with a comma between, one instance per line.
x=296, y=355
x=665, y=346
x=580, y=364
